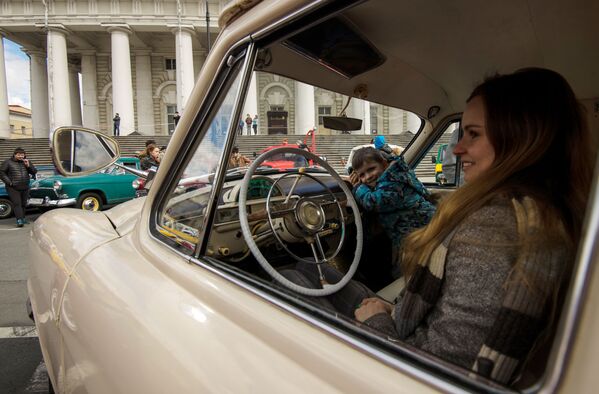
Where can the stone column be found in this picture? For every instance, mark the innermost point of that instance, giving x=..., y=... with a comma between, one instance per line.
x=366, y=121
x=59, y=99
x=122, y=87
x=412, y=122
x=305, y=115
x=39, y=93
x=143, y=88
x=185, y=74
x=91, y=114
x=395, y=121
x=358, y=111
x=4, y=112
x=75, y=95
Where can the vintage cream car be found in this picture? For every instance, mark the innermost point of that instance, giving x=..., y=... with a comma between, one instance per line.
x=180, y=291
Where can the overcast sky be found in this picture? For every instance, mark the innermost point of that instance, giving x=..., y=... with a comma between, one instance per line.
x=17, y=74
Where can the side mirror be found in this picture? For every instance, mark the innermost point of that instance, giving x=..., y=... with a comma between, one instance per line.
x=79, y=151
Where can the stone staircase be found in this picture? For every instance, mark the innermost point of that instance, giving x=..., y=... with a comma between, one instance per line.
x=333, y=147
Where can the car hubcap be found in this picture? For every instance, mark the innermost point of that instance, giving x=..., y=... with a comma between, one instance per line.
x=4, y=209
x=90, y=204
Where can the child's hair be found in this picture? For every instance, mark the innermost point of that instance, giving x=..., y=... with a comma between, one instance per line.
x=366, y=154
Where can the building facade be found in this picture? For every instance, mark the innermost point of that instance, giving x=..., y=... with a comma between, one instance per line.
x=158, y=48
x=20, y=122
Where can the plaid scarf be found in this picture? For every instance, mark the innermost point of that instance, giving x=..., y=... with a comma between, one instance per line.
x=522, y=315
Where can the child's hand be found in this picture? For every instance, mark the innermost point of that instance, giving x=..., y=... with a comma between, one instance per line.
x=354, y=179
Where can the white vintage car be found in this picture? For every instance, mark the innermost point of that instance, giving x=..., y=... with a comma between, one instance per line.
x=180, y=291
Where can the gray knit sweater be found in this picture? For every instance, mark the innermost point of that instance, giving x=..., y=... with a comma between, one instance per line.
x=479, y=260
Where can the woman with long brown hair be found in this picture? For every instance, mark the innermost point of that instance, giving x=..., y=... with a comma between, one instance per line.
x=483, y=277
x=152, y=157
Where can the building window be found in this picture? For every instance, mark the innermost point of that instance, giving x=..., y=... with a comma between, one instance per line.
x=12, y=128
x=323, y=111
x=170, y=112
x=278, y=108
x=22, y=129
x=170, y=64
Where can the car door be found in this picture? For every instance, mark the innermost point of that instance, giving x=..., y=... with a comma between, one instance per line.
x=118, y=185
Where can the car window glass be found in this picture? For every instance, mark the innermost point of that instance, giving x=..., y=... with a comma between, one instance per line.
x=182, y=219
x=438, y=166
x=286, y=113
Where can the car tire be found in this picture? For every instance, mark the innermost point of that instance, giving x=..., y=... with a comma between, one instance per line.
x=6, y=209
x=89, y=202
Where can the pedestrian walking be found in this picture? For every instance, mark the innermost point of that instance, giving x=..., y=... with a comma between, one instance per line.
x=248, y=122
x=116, y=122
x=15, y=173
x=255, y=124
x=176, y=118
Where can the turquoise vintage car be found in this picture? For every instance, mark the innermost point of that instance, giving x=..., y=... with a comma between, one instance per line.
x=90, y=192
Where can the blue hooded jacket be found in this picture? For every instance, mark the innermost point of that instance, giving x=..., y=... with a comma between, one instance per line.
x=400, y=200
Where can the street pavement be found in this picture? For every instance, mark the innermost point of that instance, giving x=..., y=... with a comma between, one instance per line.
x=21, y=366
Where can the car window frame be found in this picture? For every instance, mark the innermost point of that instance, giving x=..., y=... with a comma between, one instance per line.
x=423, y=368
x=425, y=151
x=418, y=365
x=229, y=69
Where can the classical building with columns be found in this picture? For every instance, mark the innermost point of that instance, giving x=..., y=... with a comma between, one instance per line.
x=157, y=47
x=140, y=58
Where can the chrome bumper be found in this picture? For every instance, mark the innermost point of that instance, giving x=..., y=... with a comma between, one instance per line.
x=46, y=202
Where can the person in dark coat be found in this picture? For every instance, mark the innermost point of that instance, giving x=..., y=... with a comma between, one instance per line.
x=15, y=173
x=116, y=124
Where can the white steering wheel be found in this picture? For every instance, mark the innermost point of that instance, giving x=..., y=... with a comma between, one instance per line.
x=310, y=217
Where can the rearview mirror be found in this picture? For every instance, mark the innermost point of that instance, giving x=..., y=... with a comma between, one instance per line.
x=80, y=151
x=341, y=123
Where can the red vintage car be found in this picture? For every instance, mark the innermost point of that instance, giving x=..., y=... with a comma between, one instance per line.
x=284, y=161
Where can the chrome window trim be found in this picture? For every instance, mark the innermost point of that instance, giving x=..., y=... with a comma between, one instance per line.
x=397, y=363
x=189, y=147
x=221, y=171
x=577, y=290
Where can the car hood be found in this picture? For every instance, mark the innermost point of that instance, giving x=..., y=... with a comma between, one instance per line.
x=46, y=182
x=124, y=216
x=49, y=181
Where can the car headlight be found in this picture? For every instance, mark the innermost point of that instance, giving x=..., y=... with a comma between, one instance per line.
x=135, y=184
x=57, y=185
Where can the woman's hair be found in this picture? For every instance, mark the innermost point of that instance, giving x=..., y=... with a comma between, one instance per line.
x=541, y=140
x=149, y=149
x=366, y=154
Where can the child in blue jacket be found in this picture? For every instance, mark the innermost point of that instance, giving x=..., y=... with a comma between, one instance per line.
x=391, y=189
